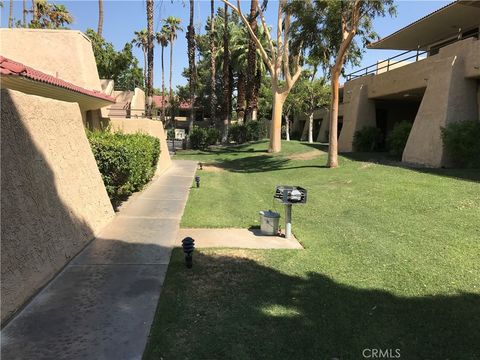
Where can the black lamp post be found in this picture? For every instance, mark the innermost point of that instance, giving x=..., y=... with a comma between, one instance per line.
x=188, y=245
x=197, y=181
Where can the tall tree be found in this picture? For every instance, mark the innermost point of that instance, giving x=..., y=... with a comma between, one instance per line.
x=24, y=13
x=150, y=43
x=328, y=28
x=191, y=64
x=141, y=41
x=251, y=92
x=172, y=24
x=49, y=16
x=213, y=97
x=162, y=39
x=226, y=103
x=278, y=64
x=120, y=66
x=100, y=17
x=311, y=94
x=10, y=15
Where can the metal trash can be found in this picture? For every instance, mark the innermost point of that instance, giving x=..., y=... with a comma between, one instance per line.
x=269, y=222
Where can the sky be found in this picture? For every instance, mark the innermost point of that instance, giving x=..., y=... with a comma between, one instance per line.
x=122, y=18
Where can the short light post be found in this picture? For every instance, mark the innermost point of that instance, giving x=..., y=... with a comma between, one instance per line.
x=188, y=245
x=197, y=181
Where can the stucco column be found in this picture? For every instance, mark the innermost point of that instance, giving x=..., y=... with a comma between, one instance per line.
x=359, y=113
x=449, y=97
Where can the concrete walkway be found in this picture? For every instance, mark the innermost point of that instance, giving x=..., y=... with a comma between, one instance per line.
x=237, y=238
x=102, y=304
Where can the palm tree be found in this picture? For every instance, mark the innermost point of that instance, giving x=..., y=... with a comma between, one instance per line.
x=24, y=13
x=162, y=40
x=100, y=17
x=172, y=25
x=150, y=39
x=191, y=65
x=251, y=93
x=10, y=15
x=226, y=104
x=141, y=41
x=213, y=97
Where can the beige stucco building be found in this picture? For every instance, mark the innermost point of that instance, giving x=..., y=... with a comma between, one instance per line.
x=53, y=200
x=433, y=83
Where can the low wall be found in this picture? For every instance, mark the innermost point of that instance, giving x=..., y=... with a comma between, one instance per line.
x=53, y=198
x=150, y=127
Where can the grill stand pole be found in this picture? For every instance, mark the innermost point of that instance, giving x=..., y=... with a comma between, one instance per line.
x=288, y=221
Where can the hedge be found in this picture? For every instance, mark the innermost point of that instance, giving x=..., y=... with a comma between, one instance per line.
x=201, y=138
x=126, y=161
x=398, y=137
x=368, y=139
x=461, y=141
x=252, y=131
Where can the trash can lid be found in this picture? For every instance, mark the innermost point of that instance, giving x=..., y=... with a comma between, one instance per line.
x=269, y=214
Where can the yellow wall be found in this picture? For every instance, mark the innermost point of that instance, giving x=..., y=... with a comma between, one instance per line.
x=53, y=198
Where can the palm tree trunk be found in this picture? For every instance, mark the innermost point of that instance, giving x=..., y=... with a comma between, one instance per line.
x=144, y=67
x=24, y=13
x=213, y=95
x=150, y=57
x=34, y=11
x=191, y=65
x=251, y=64
x=170, y=97
x=100, y=17
x=226, y=78
x=241, y=83
x=163, y=88
x=10, y=15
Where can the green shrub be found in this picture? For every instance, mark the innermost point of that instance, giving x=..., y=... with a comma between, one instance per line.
x=368, y=139
x=252, y=131
x=125, y=161
x=237, y=133
x=255, y=130
x=461, y=141
x=397, y=139
x=197, y=137
x=201, y=138
x=212, y=136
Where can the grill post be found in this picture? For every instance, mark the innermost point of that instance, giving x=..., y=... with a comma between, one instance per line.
x=288, y=221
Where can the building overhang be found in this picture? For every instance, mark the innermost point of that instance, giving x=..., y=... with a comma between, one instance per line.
x=445, y=23
x=19, y=77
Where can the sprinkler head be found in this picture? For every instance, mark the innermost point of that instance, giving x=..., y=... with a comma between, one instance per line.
x=188, y=245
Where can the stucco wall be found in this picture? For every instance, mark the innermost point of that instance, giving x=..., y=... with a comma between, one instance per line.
x=138, y=103
x=67, y=54
x=150, y=127
x=53, y=198
x=449, y=80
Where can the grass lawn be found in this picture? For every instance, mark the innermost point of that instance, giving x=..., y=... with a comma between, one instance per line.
x=391, y=261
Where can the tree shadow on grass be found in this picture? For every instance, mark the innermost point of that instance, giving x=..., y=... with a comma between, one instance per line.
x=261, y=163
x=232, y=307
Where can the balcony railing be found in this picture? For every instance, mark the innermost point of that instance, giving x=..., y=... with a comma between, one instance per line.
x=388, y=64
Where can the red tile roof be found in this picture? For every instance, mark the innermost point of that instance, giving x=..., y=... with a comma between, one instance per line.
x=13, y=68
x=159, y=101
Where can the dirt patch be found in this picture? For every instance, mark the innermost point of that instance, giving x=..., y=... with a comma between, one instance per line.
x=212, y=168
x=309, y=155
x=366, y=165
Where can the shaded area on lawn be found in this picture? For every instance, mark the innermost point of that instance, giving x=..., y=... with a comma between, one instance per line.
x=234, y=307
